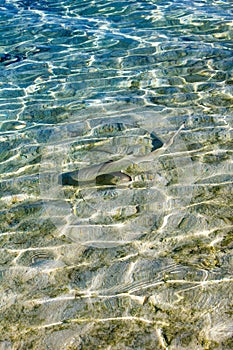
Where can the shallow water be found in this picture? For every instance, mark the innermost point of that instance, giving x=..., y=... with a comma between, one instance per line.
x=145, y=264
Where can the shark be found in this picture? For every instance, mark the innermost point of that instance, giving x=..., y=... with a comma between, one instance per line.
x=112, y=172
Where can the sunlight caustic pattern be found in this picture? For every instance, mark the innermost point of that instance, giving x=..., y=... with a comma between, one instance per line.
x=146, y=263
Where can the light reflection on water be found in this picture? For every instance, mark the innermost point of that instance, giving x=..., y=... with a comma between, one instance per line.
x=141, y=265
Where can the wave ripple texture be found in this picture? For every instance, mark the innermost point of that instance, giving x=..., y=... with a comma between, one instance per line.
x=139, y=257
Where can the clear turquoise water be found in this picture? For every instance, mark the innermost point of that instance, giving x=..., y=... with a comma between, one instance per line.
x=140, y=265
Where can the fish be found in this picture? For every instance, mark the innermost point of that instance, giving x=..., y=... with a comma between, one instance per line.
x=112, y=172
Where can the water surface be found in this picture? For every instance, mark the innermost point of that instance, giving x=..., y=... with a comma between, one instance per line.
x=141, y=265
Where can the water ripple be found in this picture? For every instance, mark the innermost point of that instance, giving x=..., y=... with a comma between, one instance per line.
x=141, y=264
